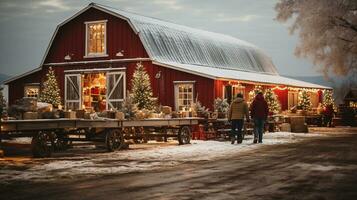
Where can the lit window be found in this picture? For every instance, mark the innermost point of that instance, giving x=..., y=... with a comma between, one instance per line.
x=183, y=96
x=292, y=99
x=96, y=38
x=230, y=91
x=32, y=91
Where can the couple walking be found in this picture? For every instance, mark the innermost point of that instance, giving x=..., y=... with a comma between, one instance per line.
x=239, y=109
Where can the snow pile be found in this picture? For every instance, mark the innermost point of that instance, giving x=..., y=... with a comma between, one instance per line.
x=137, y=159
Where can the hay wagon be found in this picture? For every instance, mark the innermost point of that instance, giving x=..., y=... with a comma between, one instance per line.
x=49, y=135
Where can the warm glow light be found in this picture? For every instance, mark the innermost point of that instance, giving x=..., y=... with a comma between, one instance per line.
x=279, y=88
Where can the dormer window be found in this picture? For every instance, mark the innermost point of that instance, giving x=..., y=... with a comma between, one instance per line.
x=96, y=38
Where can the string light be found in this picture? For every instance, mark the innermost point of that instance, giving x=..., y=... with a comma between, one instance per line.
x=279, y=88
x=304, y=89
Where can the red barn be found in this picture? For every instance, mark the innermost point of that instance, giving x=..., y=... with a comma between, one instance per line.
x=94, y=54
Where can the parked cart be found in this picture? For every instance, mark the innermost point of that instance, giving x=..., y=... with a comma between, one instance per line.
x=49, y=135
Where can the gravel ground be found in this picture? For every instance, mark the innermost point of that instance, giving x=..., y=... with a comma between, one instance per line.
x=319, y=165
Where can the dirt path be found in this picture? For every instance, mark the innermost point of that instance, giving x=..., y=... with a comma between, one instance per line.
x=316, y=168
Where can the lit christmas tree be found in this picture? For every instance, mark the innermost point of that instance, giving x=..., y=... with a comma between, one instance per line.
x=50, y=91
x=141, y=89
x=254, y=92
x=272, y=100
x=2, y=103
x=304, y=100
x=327, y=98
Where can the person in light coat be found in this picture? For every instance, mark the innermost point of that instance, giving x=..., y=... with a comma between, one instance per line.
x=237, y=111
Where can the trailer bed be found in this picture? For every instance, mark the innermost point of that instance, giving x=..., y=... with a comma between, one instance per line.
x=55, y=134
x=51, y=124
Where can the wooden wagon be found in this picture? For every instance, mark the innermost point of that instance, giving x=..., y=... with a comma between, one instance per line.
x=49, y=135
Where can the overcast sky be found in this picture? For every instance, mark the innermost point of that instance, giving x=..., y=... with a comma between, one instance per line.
x=27, y=26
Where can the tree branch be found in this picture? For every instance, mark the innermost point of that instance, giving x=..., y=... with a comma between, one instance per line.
x=347, y=24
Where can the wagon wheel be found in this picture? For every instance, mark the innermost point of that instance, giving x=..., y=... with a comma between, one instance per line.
x=114, y=139
x=184, y=135
x=59, y=142
x=42, y=144
x=144, y=134
x=136, y=135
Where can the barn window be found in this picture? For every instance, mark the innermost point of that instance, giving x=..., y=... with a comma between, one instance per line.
x=230, y=91
x=32, y=90
x=96, y=38
x=183, y=95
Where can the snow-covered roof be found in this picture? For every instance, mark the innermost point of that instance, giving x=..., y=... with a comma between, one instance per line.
x=169, y=42
x=200, y=52
x=228, y=74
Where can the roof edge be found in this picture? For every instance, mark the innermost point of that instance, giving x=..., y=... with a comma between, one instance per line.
x=6, y=82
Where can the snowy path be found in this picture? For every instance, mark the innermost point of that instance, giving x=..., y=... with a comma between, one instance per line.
x=139, y=158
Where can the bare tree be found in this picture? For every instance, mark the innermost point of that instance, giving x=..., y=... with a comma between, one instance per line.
x=327, y=31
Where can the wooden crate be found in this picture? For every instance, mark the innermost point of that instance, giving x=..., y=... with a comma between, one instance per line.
x=30, y=115
x=119, y=115
x=70, y=114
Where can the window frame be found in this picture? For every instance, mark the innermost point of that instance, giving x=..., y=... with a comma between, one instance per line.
x=296, y=94
x=37, y=85
x=238, y=87
x=93, y=55
x=176, y=91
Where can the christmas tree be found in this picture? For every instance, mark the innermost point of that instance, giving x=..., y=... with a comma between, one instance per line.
x=141, y=89
x=2, y=103
x=272, y=100
x=327, y=98
x=50, y=91
x=304, y=100
x=254, y=92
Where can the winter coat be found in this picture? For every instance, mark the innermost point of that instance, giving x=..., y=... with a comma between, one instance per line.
x=238, y=109
x=329, y=110
x=259, y=108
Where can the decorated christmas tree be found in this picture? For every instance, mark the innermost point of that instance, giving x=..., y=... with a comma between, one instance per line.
x=254, y=92
x=327, y=98
x=2, y=103
x=304, y=100
x=50, y=91
x=141, y=89
x=272, y=100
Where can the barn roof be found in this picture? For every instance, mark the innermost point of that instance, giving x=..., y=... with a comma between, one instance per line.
x=197, y=51
x=167, y=42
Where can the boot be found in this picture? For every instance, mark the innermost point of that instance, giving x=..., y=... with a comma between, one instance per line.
x=232, y=140
x=239, y=139
x=255, y=140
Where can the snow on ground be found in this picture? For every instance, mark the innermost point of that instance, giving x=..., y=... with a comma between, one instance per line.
x=138, y=158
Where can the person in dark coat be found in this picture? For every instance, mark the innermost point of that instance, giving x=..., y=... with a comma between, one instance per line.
x=259, y=112
x=237, y=111
x=328, y=115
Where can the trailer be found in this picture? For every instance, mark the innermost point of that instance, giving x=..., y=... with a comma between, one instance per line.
x=49, y=135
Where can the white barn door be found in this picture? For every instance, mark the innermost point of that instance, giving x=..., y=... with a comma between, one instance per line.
x=73, y=91
x=115, y=90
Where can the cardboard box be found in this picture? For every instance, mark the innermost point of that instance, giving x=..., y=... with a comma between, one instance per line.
x=30, y=115
x=285, y=127
x=167, y=110
x=119, y=115
x=70, y=114
x=80, y=114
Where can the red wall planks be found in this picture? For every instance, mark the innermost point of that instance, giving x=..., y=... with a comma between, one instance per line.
x=16, y=88
x=70, y=39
